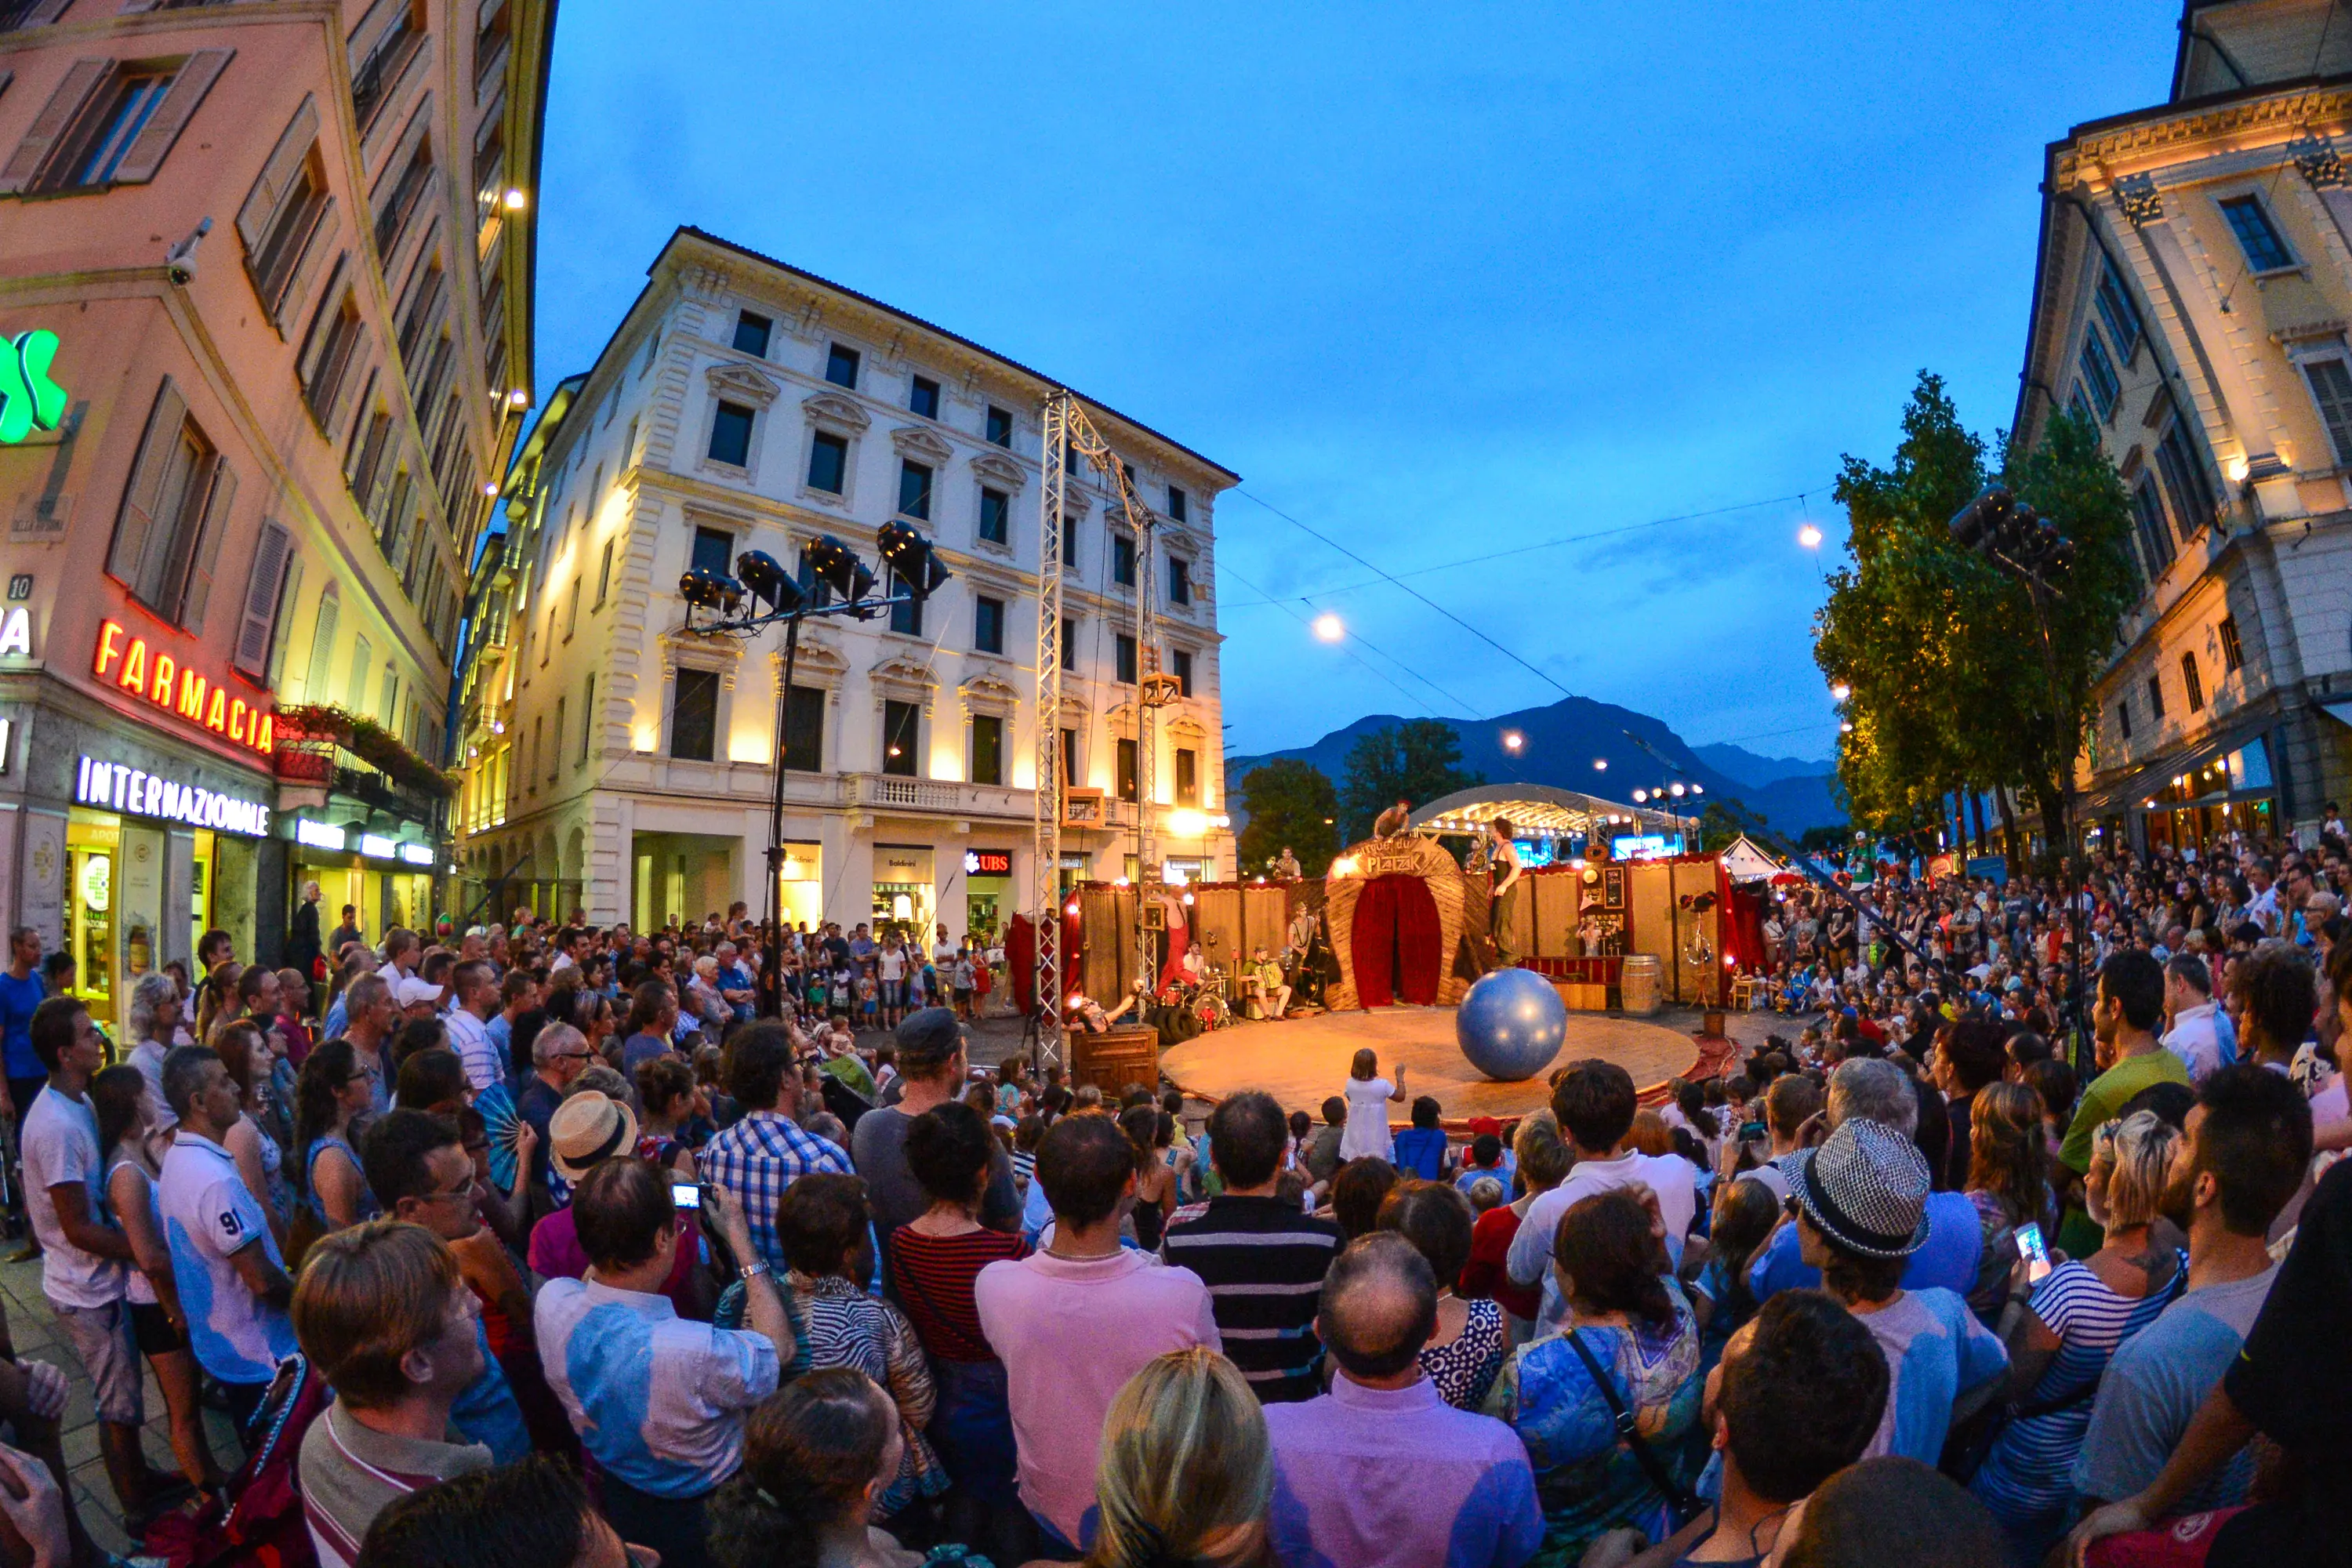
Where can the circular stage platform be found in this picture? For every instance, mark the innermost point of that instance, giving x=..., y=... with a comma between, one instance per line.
x=1303, y=1061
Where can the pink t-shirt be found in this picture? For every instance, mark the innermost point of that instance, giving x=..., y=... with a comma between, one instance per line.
x=1071, y=1335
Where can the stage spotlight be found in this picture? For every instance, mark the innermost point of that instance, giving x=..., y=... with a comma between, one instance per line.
x=836, y=565
x=710, y=590
x=911, y=557
x=1640, y=795
x=770, y=584
x=1810, y=537
x=1599, y=765
x=1676, y=792
x=1698, y=789
x=1327, y=628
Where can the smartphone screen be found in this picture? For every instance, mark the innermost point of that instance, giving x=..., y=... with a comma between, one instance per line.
x=2031, y=1246
x=686, y=1194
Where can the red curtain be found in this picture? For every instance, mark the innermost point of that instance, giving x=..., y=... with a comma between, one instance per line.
x=1373, y=941
x=1419, y=944
x=1020, y=958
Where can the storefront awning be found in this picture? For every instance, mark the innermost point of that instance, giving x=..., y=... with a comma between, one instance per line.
x=2150, y=781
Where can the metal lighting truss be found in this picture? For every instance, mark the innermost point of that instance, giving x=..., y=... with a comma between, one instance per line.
x=1068, y=430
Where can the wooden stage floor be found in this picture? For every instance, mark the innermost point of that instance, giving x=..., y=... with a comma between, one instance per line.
x=1302, y=1061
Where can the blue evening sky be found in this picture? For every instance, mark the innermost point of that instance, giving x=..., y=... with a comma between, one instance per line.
x=1439, y=281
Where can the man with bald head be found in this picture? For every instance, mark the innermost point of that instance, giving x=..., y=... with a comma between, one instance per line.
x=1382, y=1470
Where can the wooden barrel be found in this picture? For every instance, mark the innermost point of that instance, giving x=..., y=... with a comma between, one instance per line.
x=1640, y=986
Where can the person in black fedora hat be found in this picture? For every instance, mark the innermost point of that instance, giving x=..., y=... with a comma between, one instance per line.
x=1861, y=1203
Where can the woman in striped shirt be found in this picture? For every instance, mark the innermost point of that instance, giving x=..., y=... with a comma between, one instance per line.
x=934, y=1259
x=2062, y=1333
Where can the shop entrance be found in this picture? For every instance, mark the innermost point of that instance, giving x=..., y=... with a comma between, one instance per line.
x=93, y=852
x=904, y=891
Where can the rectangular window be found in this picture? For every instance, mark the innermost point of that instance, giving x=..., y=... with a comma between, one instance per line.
x=841, y=366
x=1070, y=773
x=752, y=330
x=571, y=610
x=2155, y=699
x=2191, y=681
x=714, y=550
x=284, y=208
x=2331, y=389
x=988, y=624
x=923, y=397
x=173, y=514
x=129, y=104
x=1000, y=426
x=2184, y=482
x=730, y=435
x=1188, y=776
x=2116, y=309
x=1179, y=580
x=995, y=516
x=2233, y=652
x=1122, y=559
x=987, y=749
x=2265, y=249
x=1070, y=460
x=332, y=351
x=694, y=715
x=1125, y=659
x=2155, y=532
x=901, y=721
x=604, y=574
x=402, y=194
x=828, y=462
x=2099, y=373
x=1069, y=643
x=1069, y=544
x=555, y=752
x=1126, y=770
x=914, y=489
x=587, y=720
x=1180, y=662
x=2078, y=404
x=2122, y=716
x=1177, y=505
x=804, y=730
x=906, y=618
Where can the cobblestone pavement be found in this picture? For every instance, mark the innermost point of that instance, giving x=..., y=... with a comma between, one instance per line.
x=33, y=1327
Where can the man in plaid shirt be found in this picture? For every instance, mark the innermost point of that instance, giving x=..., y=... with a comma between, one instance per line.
x=757, y=1158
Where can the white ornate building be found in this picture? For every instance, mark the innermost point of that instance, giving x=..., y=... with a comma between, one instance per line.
x=615, y=763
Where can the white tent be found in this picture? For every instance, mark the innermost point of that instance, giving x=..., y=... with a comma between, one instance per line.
x=1744, y=862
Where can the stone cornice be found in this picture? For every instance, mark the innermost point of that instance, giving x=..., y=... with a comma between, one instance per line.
x=2164, y=137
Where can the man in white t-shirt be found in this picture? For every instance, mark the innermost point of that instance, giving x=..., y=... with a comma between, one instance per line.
x=85, y=1262
x=231, y=1277
x=1594, y=1104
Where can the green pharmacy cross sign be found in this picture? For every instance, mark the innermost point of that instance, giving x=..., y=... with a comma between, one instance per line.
x=30, y=400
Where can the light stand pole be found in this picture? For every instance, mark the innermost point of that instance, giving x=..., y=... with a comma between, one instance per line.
x=2013, y=535
x=833, y=566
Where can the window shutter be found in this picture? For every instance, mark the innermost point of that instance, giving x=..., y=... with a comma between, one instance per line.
x=42, y=14
x=322, y=647
x=172, y=116
x=136, y=522
x=317, y=248
x=288, y=595
x=24, y=166
x=208, y=545
x=252, y=655
x=255, y=218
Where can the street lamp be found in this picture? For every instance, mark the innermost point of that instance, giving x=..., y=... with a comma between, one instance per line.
x=760, y=594
x=1599, y=765
x=1329, y=628
x=1810, y=537
x=1512, y=741
x=1841, y=691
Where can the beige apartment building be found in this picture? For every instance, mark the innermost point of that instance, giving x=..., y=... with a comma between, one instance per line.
x=2193, y=287
x=619, y=763
x=265, y=283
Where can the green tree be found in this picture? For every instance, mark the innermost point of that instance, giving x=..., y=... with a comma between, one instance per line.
x=1717, y=828
x=1418, y=761
x=1954, y=684
x=1293, y=803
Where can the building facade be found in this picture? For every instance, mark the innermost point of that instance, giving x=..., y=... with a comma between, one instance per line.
x=2193, y=284
x=265, y=279
x=619, y=766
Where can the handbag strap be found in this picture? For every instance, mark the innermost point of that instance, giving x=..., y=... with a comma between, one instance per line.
x=1678, y=1500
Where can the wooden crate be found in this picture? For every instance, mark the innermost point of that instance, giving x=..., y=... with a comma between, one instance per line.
x=1129, y=1054
x=1582, y=998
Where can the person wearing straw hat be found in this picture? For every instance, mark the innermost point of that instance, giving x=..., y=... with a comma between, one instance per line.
x=1861, y=1211
x=588, y=1128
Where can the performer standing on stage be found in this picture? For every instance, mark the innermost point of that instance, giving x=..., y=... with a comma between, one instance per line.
x=1394, y=820
x=1503, y=866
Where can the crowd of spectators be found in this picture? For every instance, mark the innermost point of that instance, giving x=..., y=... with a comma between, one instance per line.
x=537, y=1245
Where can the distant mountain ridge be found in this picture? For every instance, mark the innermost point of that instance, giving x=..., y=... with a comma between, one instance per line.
x=1560, y=744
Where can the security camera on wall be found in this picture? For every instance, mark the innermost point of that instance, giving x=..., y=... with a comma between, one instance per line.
x=180, y=260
